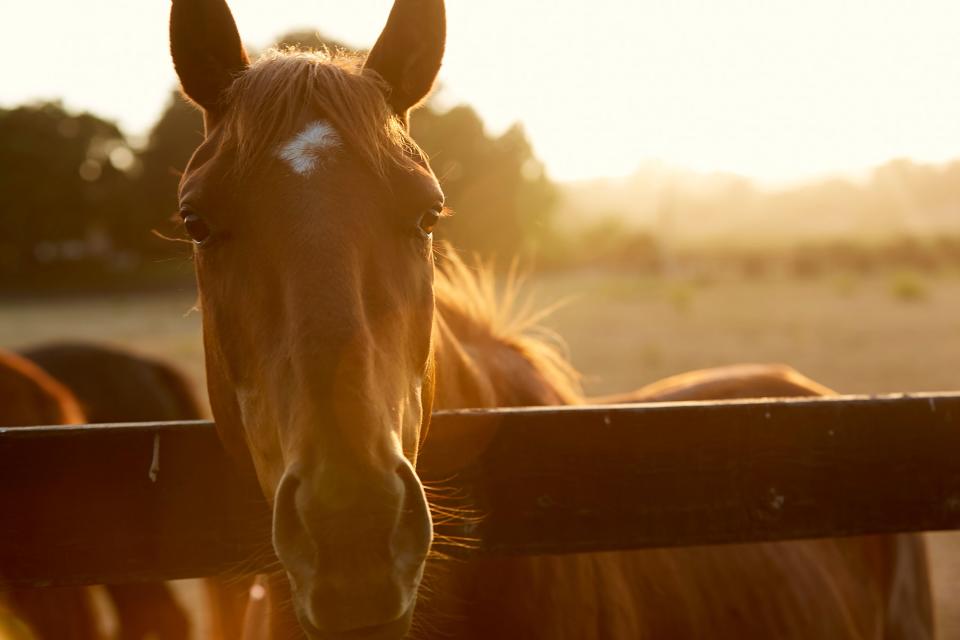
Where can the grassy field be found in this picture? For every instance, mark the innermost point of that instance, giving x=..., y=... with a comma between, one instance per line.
x=895, y=332
x=860, y=336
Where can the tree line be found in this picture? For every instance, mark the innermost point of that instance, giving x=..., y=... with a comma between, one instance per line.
x=82, y=207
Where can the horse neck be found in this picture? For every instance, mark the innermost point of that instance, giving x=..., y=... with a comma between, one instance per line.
x=477, y=369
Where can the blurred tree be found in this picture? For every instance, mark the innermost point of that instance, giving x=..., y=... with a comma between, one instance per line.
x=498, y=190
x=169, y=146
x=65, y=197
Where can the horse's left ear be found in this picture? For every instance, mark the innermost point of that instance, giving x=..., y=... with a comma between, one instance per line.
x=408, y=53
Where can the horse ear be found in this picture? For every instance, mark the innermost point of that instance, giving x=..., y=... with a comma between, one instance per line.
x=408, y=52
x=206, y=49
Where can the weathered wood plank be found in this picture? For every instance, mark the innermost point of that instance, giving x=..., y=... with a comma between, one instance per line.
x=79, y=504
x=709, y=473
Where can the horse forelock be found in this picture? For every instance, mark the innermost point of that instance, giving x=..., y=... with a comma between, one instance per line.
x=268, y=103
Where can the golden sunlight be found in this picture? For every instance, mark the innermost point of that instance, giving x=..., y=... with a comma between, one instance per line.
x=398, y=281
x=776, y=91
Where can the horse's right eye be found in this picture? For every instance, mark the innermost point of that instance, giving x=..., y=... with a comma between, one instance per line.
x=197, y=229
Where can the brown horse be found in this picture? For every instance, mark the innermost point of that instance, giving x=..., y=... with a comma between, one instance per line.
x=330, y=338
x=28, y=396
x=116, y=385
x=724, y=383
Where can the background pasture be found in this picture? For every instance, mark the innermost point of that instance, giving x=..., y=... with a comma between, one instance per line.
x=856, y=333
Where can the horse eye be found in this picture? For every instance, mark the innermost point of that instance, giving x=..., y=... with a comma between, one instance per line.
x=429, y=220
x=197, y=229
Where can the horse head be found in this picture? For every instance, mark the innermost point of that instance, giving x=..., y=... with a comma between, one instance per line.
x=312, y=211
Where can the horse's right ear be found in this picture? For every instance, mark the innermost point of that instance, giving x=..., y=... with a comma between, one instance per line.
x=206, y=48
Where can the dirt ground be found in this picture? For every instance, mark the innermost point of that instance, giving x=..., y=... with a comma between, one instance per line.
x=855, y=334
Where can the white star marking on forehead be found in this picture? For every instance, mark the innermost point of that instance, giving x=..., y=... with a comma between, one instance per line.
x=302, y=151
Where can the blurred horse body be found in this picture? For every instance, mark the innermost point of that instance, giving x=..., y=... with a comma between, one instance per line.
x=117, y=385
x=112, y=385
x=731, y=382
x=28, y=396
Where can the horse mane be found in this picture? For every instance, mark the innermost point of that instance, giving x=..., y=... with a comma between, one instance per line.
x=478, y=311
x=272, y=97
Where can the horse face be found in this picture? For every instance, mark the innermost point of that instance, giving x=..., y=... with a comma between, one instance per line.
x=315, y=275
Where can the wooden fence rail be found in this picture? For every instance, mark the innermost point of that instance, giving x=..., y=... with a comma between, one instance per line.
x=114, y=503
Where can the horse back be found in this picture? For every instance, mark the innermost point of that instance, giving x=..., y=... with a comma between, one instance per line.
x=724, y=383
x=115, y=385
x=846, y=588
x=29, y=396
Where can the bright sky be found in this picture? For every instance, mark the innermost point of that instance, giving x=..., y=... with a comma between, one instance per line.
x=778, y=90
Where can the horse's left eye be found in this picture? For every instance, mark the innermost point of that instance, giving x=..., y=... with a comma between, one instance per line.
x=429, y=220
x=197, y=229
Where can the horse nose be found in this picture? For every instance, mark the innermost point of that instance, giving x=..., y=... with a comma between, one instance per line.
x=353, y=543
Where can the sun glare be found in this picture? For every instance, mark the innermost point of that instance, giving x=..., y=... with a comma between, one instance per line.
x=777, y=91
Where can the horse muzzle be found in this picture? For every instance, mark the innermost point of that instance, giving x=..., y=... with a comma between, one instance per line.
x=355, y=554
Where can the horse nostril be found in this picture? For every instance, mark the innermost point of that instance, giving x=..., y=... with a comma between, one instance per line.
x=412, y=487
x=406, y=471
x=416, y=527
x=291, y=538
